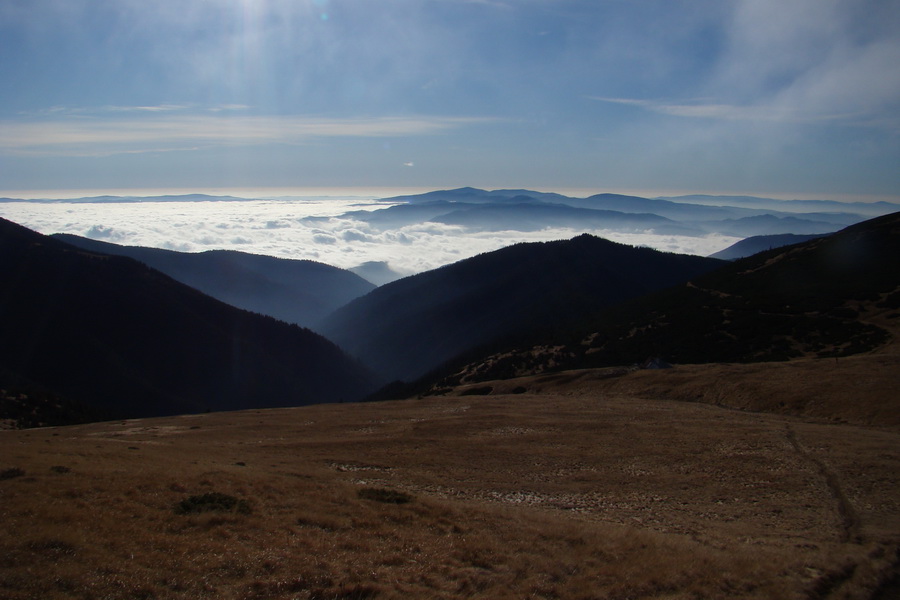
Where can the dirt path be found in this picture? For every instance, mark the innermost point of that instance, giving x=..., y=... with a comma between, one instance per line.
x=850, y=523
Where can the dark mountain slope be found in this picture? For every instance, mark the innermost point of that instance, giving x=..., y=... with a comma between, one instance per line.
x=833, y=296
x=295, y=291
x=760, y=243
x=114, y=334
x=410, y=326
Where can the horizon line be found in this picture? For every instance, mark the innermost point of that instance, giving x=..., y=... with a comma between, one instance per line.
x=376, y=192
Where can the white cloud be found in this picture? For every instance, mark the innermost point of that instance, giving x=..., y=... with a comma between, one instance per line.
x=729, y=112
x=94, y=136
x=804, y=61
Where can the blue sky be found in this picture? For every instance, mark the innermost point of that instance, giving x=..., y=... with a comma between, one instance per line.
x=791, y=98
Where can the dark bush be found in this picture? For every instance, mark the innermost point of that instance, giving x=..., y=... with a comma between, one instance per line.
x=11, y=473
x=385, y=495
x=212, y=502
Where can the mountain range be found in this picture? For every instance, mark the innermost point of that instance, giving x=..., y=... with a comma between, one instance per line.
x=112, y=334
x=116, y=335
x=527, y=210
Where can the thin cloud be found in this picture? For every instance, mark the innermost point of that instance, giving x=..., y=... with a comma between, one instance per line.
x=112, y=108
x=92, y=136
x=728, y=112
x=803, y=62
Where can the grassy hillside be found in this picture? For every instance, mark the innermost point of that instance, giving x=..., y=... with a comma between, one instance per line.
x=564, y=492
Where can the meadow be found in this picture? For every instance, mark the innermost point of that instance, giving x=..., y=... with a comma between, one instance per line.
x=576, y=487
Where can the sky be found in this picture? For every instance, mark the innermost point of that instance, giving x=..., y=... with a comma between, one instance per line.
x=785, y=98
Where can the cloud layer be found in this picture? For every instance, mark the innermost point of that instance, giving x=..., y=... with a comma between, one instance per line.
x=300, y=229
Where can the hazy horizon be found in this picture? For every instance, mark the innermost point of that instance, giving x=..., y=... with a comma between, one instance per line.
x=381, y=192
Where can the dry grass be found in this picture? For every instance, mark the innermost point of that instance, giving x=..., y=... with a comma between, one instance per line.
x=578, y=491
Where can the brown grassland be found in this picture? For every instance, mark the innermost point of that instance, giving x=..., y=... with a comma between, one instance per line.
x=720, y=481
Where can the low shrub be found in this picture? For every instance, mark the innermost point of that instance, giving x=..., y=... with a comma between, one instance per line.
x=11, y=473
x=212, y=502
x=384, y=495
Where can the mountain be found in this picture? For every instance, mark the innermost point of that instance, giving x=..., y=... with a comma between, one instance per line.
x=534, y=216
x=492, y=212
x=708, y=217
x=400, y=215
x=768, y=225
x=869, y=209
x=295, y=291
x=832, y=296
x=527, y=210
x=117, y=336
x=663, y=208
x=470, y=195
x=377, y=272
x=405, y=328
x=760, y=243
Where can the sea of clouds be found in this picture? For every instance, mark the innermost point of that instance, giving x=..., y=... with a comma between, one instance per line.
x=310, y=228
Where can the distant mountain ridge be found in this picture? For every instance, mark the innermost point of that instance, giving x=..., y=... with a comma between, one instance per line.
x=296, y=291
x=128, y=341
x=871, y=209
x=130, y=199
x=526, y=210
x=376, y=272
x=405, y=328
